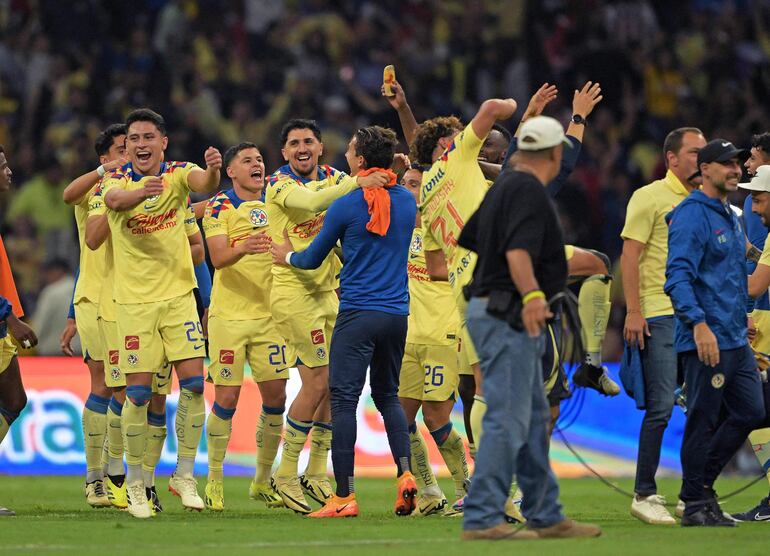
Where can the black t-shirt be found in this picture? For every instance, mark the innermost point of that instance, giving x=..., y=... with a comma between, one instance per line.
x=516, y=213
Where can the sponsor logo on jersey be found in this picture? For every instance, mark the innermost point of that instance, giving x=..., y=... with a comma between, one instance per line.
x=226, y=356
x=131, y=342
x=317, y=337
x=142, y=223
x=258, y=217
x=309, y=228
x=115, y=356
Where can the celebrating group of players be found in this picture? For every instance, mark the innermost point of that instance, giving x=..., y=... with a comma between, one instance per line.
x=142, y=305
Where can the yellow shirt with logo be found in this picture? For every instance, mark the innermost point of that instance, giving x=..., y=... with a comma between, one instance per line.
x=303, y=226
x=451, y=192
x=241, y=291
x=433, y=319
x=92, y=263
x=150, y=247
x=646, y=223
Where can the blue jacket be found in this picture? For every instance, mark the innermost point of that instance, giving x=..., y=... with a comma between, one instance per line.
x=373, y=276
x=706, y=271
x=757, y=234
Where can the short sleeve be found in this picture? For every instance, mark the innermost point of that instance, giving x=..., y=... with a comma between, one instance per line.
x=96, y=206
x=215, y=219
x=278, y=187
x=640, y=217
x=524, y=226
x=190, y=224
x=765, y=257
x=180, y=171
x=467, y=144
x=429, y=243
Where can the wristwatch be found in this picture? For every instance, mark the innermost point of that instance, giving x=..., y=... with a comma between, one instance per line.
x=578, y=119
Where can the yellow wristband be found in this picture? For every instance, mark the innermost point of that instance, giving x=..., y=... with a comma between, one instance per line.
x=536, y=294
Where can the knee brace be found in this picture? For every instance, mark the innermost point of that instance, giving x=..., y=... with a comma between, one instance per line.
x=193, y=384
x=139, y=395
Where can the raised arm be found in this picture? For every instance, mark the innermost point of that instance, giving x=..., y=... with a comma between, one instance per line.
x=490, y=112
x=202, y=181
x=119, y=199
x=316, y=201
x=80, y=186
x=405, y=115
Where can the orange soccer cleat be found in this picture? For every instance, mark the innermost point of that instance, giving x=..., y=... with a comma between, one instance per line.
x=407, y=494
x=338, y=506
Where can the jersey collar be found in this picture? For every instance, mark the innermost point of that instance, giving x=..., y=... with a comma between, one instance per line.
x=674, y=184
x=286, y=169
x=135, y=176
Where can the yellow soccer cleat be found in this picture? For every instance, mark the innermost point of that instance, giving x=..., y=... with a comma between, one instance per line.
x=428, y=504
x=513, y=512
x=95, y=495
x=263, y=491
x=290, y=491
x=116, y=494
x=215, y=496
x=318, y=488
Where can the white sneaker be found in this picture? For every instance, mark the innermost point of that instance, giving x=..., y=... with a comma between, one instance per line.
x=187, y=489
x=679, y=511
x=137, y=500
x=652, y=510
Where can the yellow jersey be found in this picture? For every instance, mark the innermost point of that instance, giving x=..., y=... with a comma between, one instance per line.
x=151, y=252
x=646, y=223
x=303, y=224
x=433, y=319
x=92, y=263
x=451, y=192
x=241, y=291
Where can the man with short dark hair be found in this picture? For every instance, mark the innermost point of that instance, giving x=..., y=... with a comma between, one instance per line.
x=375, y=229
x=706, y=281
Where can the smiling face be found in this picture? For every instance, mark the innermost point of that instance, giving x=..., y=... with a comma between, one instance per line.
x=145, y=145
x=760, y=205
x=494, y=148
x=723, y=176
x=757, y=157
x=247, y=170
x=6, y=176
x=302, y=151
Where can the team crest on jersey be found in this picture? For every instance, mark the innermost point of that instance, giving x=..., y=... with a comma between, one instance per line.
x=133, y=359
x=115, y=372
x=131, y=342
x=258, y=217
x=226, y=373
x=320, y=353
x=226, y=356
x=317, y=337
x=718, y=380
x=416, y=247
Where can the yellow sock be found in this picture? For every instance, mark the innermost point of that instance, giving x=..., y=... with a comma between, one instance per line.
x=114, y=442
x=320, y=444
x=190, y=416
x=153, y=449
x=269, y=431
x=426, y=480
x=94, y=431
x=293, y=442
x=477, y=416
x=4, y=427
x=452, y=449
x=760, y=441
x=134, y=426
x=594, y=311
x=218, y=432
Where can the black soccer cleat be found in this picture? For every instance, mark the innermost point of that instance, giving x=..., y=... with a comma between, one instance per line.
x=596, y=378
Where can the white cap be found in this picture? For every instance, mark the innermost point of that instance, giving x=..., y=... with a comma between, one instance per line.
x=541, y=132
x=760, y=181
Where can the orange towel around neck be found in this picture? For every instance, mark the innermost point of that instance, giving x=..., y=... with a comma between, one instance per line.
x=378, y=202
x=7, y=285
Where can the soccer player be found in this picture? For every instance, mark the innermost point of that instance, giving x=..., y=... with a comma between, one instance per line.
x=430, y=371
x=240, y=325
x=304, y=304
x=156, y=312
x=110, y=148
x=374, y=228
x=13, y=399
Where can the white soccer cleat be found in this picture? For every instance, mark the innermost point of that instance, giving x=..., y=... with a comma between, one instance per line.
x=137, y=500
x=96, y=496
x=186, y=488
x=652, y=509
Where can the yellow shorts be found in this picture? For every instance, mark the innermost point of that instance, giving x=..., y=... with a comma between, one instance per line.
x=8, y=351
x=88, y=329
x=305, y=321
x=234, y=342
x=151, y=333
x=569, y=251
x=468, y=355
x=762, y=322
x=113, y=376
x=429, y=373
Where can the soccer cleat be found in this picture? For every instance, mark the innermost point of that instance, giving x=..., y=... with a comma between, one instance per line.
x=760, y=512
x=116, y=490
x=500, y=532
x=290, y=491
x=95, y=495
x=513, y=512
x=263, y=491
x=428, y=504
x=318, y=488
x=591, y=376
x=215, y=496
x=456, y=509
x=152, y=496
x=652, y=510
x=338, y=506
x=137, y=501
x=187, y=489
x=5, y=512
x=406, y=488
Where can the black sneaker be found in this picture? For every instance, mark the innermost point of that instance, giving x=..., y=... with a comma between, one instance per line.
x=707, y=516
x=591, y=376
x=152, y=496
x=760, y=512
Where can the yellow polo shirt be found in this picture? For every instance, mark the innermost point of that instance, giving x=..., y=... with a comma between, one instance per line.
x=646, y=223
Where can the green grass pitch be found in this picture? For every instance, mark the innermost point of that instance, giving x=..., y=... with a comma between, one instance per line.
x=54, y=519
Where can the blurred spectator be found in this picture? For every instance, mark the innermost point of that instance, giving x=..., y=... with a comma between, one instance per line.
x=53, y=306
